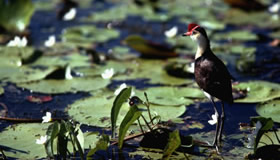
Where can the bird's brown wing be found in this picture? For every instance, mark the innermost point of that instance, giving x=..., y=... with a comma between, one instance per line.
x=213, y=77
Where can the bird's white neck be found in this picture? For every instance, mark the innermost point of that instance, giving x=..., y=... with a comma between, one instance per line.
x=202, y=45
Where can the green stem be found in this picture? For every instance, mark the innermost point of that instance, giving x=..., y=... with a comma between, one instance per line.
x=148, y=107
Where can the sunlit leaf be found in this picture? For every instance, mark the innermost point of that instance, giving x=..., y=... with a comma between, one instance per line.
x=235, y=36
x=157, y=75
x=174, y=142
x=149, y=49
x=132, y=115
x=266, y=125
x=117, y=104
x=171, y=95
x=15, y=14
x=52, y=133
x=101, y=144
x=87, y=35
x=65, y=86
x=18, y=141
x=96, y=110
x=269, y=109
x=258, y=91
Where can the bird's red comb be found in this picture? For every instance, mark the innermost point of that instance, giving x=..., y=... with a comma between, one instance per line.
x=191, y=27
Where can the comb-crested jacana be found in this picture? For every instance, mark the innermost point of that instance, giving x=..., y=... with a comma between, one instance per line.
x=211, y=76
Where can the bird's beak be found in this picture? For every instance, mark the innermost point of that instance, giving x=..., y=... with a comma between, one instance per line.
x=187, y=34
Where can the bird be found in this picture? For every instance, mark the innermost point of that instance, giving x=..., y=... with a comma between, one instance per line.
x=212, y=76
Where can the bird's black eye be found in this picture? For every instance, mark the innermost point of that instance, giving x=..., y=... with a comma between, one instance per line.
x=194, y=32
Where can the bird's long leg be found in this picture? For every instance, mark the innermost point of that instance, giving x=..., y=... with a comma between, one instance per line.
x=220, y=134
x=218, y=123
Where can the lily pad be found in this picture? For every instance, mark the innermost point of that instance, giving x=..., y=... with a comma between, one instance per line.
x=258, y=91
x=87, y=35
x=239, y=17
x=18, y=141
x=22, y=52
x=2, y=90
x=235, y=36
x=81, y=84
x=73, y=60
x=171, y=95
x=96, y=110
x=23, y=73
x=269, y=110
x=141, y=69
x=269, y=138
x=15, y=14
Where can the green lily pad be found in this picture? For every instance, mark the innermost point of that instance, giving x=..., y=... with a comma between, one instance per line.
x=22, y=53
x=122, y=53
x=171, y=95
x=234, y=49
x=246, y=62
x=15, y=14
x=235, y=36
x=269, y=138
x=73, y=60
x=258, y=91
x=82, y=84
x=97, y=70
x=87, y=35
x=2, y=90
x=269, y=110
x=239, y=17
x=20, y=140
x=23, y=74
x=96, y=110
x=115, y=13
x=141, y=69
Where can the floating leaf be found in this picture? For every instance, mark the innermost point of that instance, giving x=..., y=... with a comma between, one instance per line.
x=149, y=49
x=266, y=125
x=239, y=17
x=18, y=141
x=87, y=35
x=174, y=141
x=24, y=73
x=2, y=90
x=235, y=36
x=101, y=104
x=157, y=75
x=112, y=14
x=15, y=14
x=117, y=104
x=132, y=115
x=101, y=144
x=269, y=109
x=83, y=84
x=258, y=91
x=171, y=95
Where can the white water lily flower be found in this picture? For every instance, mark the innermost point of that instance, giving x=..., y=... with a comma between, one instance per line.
x=171, y=32
x=42, y=140
x=47, y=118
x=274, y=8
x=122, y=86
x=17, y=42
x=190, y=68
x=214, y=119
x=108, y=73
x=51, y=41
x=68, y=73
x=70, y=14
x=252, y=137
